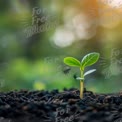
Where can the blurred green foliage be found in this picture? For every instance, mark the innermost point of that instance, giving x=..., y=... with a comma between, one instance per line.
x=36, y=62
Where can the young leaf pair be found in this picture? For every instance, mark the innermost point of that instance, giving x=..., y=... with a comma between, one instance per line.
x=87, y=60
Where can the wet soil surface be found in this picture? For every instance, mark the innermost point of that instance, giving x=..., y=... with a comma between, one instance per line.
x=55, y=106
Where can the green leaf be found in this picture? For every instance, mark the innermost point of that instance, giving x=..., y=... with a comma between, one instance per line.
x=89, y=72
x=72, y=61
x=79, y=78
x=89, y=59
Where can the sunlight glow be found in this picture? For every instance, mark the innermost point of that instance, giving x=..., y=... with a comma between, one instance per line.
x=63, y=38
x=113, y=3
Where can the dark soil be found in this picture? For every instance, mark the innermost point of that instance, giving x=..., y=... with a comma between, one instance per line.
x=66, y=106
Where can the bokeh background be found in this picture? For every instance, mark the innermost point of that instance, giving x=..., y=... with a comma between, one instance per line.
x=35, y=36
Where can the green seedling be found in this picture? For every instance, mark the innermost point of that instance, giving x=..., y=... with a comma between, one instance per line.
x=87, y=60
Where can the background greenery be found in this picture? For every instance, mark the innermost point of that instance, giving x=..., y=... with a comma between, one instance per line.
x=76, y=28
